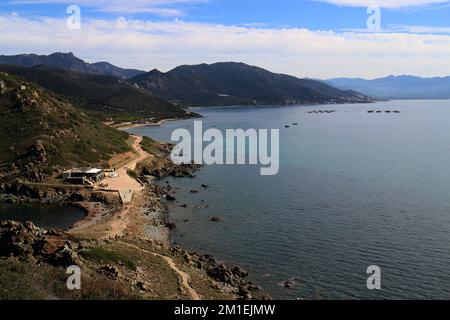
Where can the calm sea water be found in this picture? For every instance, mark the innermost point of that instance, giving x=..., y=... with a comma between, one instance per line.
x=43, y=216
x=354, y=190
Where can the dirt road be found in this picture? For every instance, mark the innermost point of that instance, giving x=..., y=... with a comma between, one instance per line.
x=124, y=183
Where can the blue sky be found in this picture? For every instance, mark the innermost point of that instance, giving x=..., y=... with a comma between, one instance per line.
x=290, y=36
x=309, y=14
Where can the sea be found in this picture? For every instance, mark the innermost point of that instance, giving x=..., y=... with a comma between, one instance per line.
x=355, y=189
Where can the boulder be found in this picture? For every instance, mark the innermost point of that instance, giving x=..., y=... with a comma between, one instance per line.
x=65, y=256
x=111, y=271
x=2, y=87
x=289, y=284
x=169, y=197
x=240, y=272
x=170, y=224
x=144, y=286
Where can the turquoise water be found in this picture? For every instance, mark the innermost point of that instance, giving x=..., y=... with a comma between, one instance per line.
x=354, y=189
x=62, y=217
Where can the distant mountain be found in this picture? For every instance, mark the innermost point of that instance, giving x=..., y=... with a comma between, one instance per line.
x=398, y=87
x=42, y=133
x=68, y=61
x=232, y=83
x=109, y=96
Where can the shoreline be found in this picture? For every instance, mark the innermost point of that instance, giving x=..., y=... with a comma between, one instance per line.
x=147, y=219
x=150, y=123
x=131, y=125
x=288, y=105
x=136, y=124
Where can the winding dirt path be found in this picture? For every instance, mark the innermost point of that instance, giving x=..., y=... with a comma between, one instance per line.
x=184, y=277
x=123, y=182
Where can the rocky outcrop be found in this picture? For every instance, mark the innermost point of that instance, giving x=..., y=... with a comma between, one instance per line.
x=111, y=271
x=25, y=101
x=165, y=168
x=26, y=241
x=20, y=240
x=231, y=279
x=3, y=87
x=65, y=256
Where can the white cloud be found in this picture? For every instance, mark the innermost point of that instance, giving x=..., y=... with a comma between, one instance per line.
x=164, y=45
x=384, y=3
x=422, y=29
x=159, y=7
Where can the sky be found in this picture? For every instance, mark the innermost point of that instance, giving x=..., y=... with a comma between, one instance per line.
x=305, y=38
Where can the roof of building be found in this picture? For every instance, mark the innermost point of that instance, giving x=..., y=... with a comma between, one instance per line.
x=85, y=170
x=93, y=170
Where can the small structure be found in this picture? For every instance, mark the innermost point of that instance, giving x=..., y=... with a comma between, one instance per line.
x=84, y=176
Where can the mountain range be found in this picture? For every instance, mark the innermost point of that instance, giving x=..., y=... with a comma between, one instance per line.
x=70, y=62
x=230, y=83
x=218, y=84
x=397, y=87
x=108, y=96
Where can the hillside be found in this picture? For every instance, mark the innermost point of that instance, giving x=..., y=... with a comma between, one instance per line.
x=68, y=61
x=398, y=87
x=110, y=96
x=42, y=133
x=238, y=84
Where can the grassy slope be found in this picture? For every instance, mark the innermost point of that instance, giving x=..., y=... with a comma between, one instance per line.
x=20, y=279
x=103, y=95
x=150, y=145
x=68, y=136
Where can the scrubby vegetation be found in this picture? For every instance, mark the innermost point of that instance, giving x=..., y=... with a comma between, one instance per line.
x=151, y=146
x=103, y=96
x=229, y=83
x=43, y=133
x=102, y=255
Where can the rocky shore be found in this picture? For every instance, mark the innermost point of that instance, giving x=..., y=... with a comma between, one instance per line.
x=229, y=279
x=145, y=224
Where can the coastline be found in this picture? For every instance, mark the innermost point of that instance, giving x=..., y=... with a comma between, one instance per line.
x=151, y=123
x=148, y=219
x=373, y=100
x=146, y=224
x=131, y=125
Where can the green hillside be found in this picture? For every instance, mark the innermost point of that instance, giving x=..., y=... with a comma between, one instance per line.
x=43, y=133
x=105, y=96
x=230, y=83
